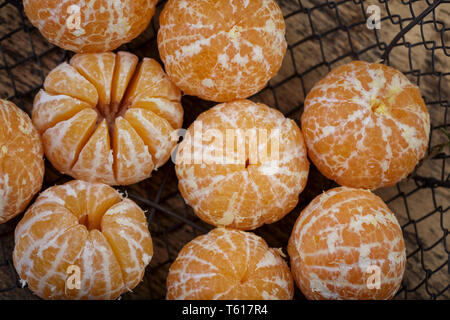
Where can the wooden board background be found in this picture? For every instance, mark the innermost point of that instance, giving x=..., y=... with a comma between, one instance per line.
x=21, y=73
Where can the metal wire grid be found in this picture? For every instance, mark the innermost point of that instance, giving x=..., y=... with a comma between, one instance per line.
x=169, y=217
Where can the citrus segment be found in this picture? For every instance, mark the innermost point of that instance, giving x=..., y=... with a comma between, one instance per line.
x=66, y=80
x=121, y=222
x=51, y=109
x=126, y=64
x=98, y=69
x=132, y=159
x=151, y=81
x=155, y=133
x=172, y=111
x=103, y=283
x=64, y=141
x=96, y=157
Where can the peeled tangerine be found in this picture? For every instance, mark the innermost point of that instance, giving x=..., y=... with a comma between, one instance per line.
x=105, y=118
x=222, y=50
x=21, y=161
x=90, y=25
x=228, y=264
x=241, y=165
x=365, y=125
x=347, y=244
x=82, y=240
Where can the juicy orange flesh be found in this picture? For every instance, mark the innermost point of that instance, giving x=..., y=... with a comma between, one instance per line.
x=107, y=87
x=82, y=224
x=21, y=161
x=337, y=237
x=365, y=125
x=125, y=68
x=109, y=105
x=229, y=264
x=72, y=134
x=251, y=191
x=104, y=25
x=222, y=50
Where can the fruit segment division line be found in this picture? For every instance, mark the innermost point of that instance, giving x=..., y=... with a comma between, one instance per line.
x=313, y=27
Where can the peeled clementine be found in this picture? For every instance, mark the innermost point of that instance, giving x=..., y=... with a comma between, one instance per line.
x=222, y=50
x=365, y=125
x=87, y=227
x=228, y=264
x=21, y=161
x=347, y=244
x=90, y=25
x=241, y=165
x=105, y=118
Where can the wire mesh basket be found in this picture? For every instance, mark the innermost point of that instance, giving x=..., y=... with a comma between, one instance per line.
x=413, y=36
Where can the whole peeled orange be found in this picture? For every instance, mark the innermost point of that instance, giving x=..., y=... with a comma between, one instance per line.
x=82, y=240
x=221, y=50
x=347, y=244
x=90, y=25
x=228, y=264
x=365, y=125
x=241, y=165
x=107, y=118
x=21, y=161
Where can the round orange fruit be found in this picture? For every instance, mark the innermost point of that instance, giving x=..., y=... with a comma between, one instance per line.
x=82, y=240
x=90, y=25
x=228, y=264
x=241, y=165
x=347, y=244
x=21, y=161
x=365, y=125
x=222, y=50
x=105, y=118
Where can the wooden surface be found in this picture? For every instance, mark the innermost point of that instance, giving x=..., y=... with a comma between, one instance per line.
x=303, y=66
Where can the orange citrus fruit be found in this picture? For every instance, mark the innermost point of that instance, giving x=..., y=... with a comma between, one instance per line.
x=347, y=244
x=228, y=264
x=365, y=125
x=241, y=165
x=222, y=50
x=85, y=226
x=21, y=161
x=105, y=118
x=90, y=25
